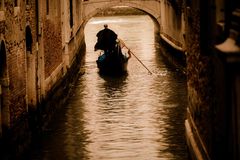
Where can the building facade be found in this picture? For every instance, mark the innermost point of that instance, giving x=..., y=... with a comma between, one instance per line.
x=40, y=44
x=212, y=42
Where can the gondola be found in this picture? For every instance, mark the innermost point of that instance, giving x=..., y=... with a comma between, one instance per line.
x=113, y=61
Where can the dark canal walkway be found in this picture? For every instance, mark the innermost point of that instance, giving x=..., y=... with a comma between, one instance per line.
x=137, y=116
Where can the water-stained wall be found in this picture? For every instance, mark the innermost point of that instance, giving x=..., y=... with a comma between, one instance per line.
x=208, y=124
x=34, y=69
x=51, y=32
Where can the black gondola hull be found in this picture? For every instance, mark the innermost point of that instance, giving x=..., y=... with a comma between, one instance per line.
x=112, y=64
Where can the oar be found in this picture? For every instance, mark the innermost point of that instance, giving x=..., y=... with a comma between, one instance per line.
x=135, y=56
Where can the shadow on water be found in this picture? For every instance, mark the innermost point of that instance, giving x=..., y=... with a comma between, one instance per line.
x=174, y=122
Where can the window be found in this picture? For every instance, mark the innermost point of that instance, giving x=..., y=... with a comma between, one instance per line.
x=47, y=6
x=71, y=13
x=15, y=3
x=1, y=4
x=78, y=3
x=28, y=39
x=2, y=59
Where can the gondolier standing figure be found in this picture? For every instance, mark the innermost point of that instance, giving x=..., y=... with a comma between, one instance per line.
x=111, y=60
x=106, y=40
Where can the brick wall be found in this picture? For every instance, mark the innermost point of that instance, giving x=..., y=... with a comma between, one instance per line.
x=200, y=79
x=32, y=19
x=28, y=71
x=16, y=60
x=52, y=45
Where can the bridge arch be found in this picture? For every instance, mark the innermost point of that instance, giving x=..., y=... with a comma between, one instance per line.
x=150, y=7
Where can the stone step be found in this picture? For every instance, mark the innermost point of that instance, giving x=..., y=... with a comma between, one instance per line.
x=236, y=16
x=235, y=25
x=236, y=12
x=234, y=34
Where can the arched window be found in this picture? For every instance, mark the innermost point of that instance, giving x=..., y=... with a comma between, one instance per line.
x=2, y=59
x=28, y=39
x=71, y=13
x=1, y=5
x=15, y=3
x=47, y=6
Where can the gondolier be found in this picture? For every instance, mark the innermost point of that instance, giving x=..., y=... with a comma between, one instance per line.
x=106, y=40
x=111, y=59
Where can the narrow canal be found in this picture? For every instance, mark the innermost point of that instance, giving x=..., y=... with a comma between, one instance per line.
x=137, y=116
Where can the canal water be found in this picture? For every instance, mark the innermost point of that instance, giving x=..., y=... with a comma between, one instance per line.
x=137, y=116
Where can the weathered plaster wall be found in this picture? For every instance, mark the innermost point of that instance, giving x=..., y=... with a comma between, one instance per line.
x=52, y=45
x=52, y=38
x=172, y=24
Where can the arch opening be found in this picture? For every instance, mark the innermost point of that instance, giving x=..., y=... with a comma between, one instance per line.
x=118, y=10
x=91, y=12
x=120, y=26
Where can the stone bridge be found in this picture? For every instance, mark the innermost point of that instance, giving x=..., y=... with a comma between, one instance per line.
x=152, y=7
x=170, y=24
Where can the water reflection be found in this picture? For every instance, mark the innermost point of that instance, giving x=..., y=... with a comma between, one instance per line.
x=134, y=116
